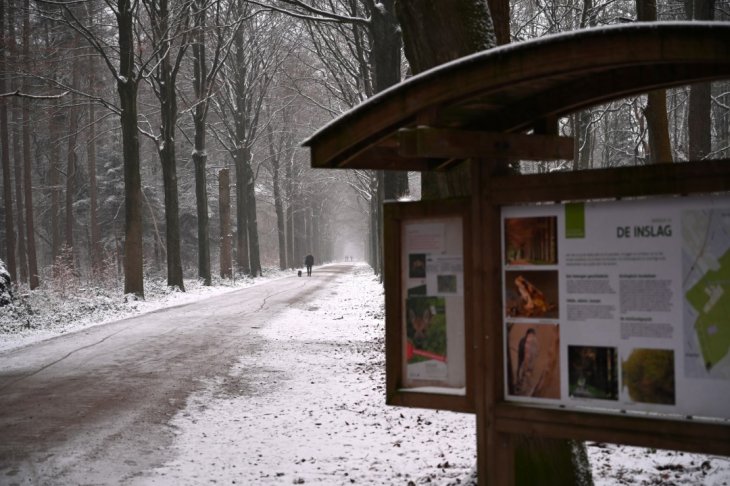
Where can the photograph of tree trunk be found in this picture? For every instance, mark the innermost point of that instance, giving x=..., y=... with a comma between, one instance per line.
x=531, y=241
x=593, y=372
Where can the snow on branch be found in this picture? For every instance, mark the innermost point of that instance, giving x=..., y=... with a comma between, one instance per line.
x=314, y=14
x=19, y=94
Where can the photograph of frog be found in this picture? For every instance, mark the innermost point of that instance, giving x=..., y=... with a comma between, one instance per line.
x=532, y=294
x=648, y=375
x=593, y=372
x=531, y=241
x=426, y=329
x=533, y=360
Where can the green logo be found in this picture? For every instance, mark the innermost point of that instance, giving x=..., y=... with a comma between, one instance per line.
x=575, y=220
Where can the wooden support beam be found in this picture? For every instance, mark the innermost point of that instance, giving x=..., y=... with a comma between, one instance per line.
x=648, y=180
x=710, y=437
x=424, y=142
x=383, y=158
x=547, y=126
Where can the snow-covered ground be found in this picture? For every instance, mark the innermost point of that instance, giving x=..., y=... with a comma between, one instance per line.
x=308, y=408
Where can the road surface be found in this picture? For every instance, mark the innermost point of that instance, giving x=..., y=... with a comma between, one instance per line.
x=71, y=406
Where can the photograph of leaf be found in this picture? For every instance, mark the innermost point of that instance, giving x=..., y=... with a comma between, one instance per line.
x=648, y=374
x=592, y=372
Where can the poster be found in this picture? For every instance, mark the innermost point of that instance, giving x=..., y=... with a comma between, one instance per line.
x=433, y=312
x=622, y=305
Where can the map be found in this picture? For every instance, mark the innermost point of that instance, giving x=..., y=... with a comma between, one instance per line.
x=706, y=285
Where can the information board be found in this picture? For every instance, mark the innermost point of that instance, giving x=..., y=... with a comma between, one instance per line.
x=432, y=279
x=620, y=305
x=428, y=285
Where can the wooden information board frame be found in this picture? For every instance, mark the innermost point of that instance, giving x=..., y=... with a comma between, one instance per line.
x=501, y=422
x=503, y=105
x=398, y=392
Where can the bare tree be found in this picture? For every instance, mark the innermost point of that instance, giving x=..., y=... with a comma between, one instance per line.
x=257, y=54
x=33, y=277
x=169, y=26
x=17, y=154
x=120, y=55
x=700, y=96
x=280, y=147
x=204, y=77
x=5, y=147
x=660, y=148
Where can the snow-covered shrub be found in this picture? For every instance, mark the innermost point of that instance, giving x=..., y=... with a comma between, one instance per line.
x=6, y=295
x=63, y=279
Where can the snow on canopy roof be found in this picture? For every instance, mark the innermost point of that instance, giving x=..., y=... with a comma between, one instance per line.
x=518, y=86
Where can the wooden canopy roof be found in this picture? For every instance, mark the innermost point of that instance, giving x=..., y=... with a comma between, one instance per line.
x=467, y=107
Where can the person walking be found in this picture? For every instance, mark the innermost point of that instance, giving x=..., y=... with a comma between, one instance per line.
x=308, y=262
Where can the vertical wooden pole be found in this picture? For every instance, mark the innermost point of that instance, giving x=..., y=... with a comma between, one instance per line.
x=495, y=456
x=484, y=462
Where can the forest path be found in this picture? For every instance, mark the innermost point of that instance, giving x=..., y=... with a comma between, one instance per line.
x=71, y=406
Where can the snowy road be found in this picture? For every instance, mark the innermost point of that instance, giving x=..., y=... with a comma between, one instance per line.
x=72, y=406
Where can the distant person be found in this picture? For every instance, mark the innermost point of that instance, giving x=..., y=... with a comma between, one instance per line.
x=308, y=262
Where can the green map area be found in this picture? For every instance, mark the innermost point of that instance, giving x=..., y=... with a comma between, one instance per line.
x=710, y=297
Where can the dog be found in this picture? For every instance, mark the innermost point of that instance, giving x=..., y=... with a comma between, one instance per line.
x=299, y=273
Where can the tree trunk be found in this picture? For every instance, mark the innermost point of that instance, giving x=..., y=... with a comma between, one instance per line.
x=499, y=10
x=165, y=78
x=200, y=85
x=71, y=174
x=583, y=139
x=33, y=277
x=660, y=147
x=224, y=206
x=374, y=223
x=19, y=199
x=278, y=203
x=700, y=100
x=289, y=197
x=241, y=158
x=386, y=60
x=433, y=35
x=252, y=223
x=97, y=253
x=169, y=178
x=201, y=204
x=309, y=229
x=5, y=147
x=242, y=260
x=56, y=121
x=22, y=261
x=300, y=229
x=127, y=84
